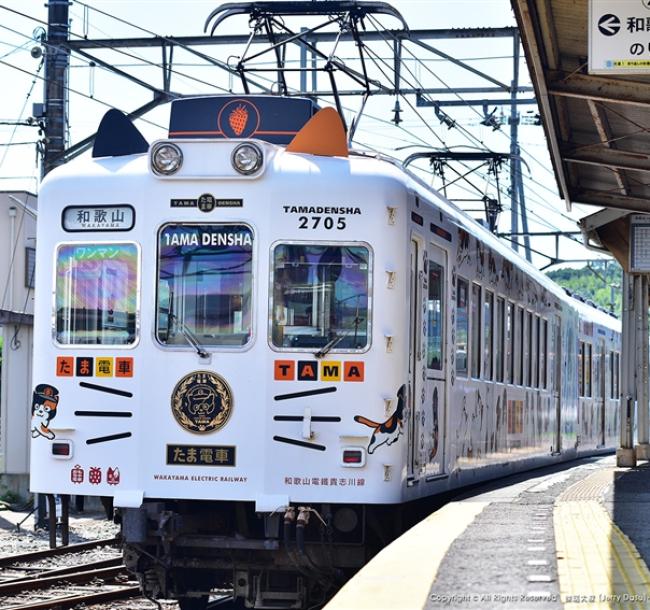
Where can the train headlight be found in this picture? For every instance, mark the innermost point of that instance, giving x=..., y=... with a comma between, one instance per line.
x=247, y=158
x=166, y=158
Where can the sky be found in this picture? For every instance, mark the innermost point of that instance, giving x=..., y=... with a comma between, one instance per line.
x=94, y=90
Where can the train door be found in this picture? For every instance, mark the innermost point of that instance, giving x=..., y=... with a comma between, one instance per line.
x=416, y=361
x=434, y=414
x=557, y=382
x=601, y=392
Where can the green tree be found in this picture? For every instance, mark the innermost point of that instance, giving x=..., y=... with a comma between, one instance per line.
x=599, y=282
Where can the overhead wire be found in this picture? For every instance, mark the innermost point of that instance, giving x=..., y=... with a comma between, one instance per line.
x=472, y=137
x=469, y=134
x=116, y=50
x=383, y=121
x=81, y=93
x=376, y=58
x=22, y=110
x=204, y=56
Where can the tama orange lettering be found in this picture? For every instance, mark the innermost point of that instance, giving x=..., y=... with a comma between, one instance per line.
x=307, y=370
x=284, y=370
x=353, y=371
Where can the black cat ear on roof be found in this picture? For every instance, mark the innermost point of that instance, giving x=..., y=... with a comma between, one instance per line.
x=118, y=136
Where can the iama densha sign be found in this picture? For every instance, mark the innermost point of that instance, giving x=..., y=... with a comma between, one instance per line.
x=619, y=36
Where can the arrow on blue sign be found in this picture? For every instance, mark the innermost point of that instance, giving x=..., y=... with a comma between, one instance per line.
x=609, y=24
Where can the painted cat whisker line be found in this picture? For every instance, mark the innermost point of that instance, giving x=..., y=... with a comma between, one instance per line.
x=304, y=394
x=299, y=443
x=106, y=439
x=107, y=389
x=315, y=418
x=103, y=414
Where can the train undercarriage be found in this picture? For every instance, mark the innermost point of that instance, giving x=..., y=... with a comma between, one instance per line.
x=294, y=558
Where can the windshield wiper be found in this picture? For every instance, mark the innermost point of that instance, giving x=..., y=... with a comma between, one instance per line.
x=190, y=337
x=338, y=337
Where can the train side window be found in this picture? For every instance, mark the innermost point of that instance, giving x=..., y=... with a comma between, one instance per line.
x=462, y=323
x=535, y=349
x=528, y=350
x=519, y=344
x=500, y=336
x=321, y=297
x=543, y=355
x=96, y=293
x=205, y=285
x=510, y=343
x=435, y=320
x=488, y=338
x=475, y=330
x=616, y=375
x=587, y=366
x=581, y=370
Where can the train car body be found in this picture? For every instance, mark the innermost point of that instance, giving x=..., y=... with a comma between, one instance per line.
x=260, y=367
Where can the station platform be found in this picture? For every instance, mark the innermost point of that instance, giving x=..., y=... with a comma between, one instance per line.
x=575, y=537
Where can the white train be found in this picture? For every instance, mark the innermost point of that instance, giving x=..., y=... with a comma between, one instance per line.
x=261, y=346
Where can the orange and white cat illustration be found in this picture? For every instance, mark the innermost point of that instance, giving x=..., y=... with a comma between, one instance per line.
x=387, y=432
x=44, y=402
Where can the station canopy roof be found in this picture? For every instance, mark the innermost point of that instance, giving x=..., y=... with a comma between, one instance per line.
x=597, y=126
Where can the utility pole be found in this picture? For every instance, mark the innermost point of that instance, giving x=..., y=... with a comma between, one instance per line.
x=517, y=200
x=57, y=61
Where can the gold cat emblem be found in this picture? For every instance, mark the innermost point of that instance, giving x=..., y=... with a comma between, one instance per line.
x=202, y=402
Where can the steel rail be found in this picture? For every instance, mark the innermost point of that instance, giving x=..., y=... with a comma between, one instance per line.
x=18, y=586
x=63, y=603
x=7, y=560
x=67, y=570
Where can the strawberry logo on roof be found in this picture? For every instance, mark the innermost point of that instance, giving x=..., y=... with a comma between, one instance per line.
x=239, y=118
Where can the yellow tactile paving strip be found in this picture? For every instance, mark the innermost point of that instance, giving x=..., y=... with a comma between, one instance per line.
x=400, y=576
x=591, y=488
x=598, y=566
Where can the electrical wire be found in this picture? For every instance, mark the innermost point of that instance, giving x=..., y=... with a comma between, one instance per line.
x=119, y=51
x=22, y=111
x=461, y=98
x=189, y=49
x=469, y=134
x=94, y=99
x=376, y=59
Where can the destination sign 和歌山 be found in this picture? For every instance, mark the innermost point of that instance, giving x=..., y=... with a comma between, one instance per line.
x=98, y=218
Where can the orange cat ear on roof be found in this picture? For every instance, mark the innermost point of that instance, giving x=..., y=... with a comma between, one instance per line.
x=322, y=135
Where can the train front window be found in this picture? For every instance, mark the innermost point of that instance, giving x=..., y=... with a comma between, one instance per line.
x=204, y=285
x=96, y=294
x=320, y=297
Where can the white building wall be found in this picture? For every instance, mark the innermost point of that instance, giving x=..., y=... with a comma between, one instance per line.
x=17, y=233
x=15, y=400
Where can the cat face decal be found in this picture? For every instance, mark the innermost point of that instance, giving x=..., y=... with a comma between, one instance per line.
x=44, y=403
x=386, y=432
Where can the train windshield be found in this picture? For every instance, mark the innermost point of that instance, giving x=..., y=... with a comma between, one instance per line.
x=96, y=294
x=204, y=285
x=320, y=297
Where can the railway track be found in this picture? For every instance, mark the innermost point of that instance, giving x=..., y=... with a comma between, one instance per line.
x=28, y=581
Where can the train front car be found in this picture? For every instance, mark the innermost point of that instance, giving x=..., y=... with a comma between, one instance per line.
x=222, y=328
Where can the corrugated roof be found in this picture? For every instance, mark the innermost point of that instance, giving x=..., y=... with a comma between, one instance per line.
x=598, y=127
